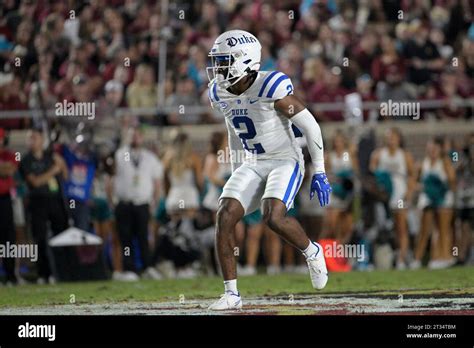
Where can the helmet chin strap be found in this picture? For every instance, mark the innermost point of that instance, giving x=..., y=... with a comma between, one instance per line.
x=227, y=84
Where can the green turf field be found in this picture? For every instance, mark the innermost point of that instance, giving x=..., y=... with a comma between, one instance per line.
x=459, y=280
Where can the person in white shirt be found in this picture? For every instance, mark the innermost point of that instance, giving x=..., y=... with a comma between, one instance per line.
x=137, y=180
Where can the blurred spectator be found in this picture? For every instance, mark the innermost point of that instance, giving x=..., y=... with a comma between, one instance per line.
x=102, y=216
x=465, y=199
x=364, y=86
x=468, y=52
x=183, y=177
x=109, y=125
x=394, y=87
x=137, y=188
x=13, y=98
x=397, y=164
x=81, y=164
x=142, y=92
x=388, y=59
x=26, y=11
x=8, y=167
x=450, y=93
x=184, y=97
x=366, y=51
x=43, y=172
x=423, y=57
x=44, y=83
x=329, y=90
x=341, y=167
x=216, y=171
x=111, y=40
x=437, y=179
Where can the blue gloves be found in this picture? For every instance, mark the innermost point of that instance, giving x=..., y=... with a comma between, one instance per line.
x=320, y=184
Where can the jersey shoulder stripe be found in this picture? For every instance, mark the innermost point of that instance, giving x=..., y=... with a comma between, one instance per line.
x=271, y=83
x=265, y=82
x=276, y=84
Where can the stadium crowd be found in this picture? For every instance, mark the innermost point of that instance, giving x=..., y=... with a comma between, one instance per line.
x=380, y=49
x=162, y=201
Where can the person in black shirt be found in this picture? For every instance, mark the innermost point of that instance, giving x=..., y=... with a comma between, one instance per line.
x=423, y=57
x=8, y=167
x=43, y=171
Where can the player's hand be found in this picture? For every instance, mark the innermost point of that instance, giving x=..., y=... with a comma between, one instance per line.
x=320, y=184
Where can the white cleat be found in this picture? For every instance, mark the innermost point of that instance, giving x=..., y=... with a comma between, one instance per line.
x=228, y=301
x=317, y=268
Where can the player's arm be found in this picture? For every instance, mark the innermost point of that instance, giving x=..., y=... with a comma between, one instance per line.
x=292, y=107
x=235, y=147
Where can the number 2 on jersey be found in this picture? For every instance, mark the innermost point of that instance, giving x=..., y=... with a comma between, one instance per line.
x=250, y=134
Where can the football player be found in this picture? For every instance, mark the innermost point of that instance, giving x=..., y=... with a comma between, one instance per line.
x=260, y=111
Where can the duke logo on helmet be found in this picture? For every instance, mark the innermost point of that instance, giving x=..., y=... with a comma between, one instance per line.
x=234, y=55
x=232, y=41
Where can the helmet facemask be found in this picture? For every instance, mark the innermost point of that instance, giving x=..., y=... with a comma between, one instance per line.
x=224, y=69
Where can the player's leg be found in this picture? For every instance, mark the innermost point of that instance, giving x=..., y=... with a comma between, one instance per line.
x=229, y=213
x=239, y=235
x=274, y=215
x=241, y=195
x=283, y=183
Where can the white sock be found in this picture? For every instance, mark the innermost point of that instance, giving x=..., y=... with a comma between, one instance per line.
x=310, y=250
x=231, y=285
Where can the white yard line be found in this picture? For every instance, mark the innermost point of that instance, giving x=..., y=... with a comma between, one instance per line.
x=339, y=304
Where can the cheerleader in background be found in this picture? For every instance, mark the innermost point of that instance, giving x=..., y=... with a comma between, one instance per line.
x=217, y=169
x=465, y=200
x=341, y=167
x=438, y=182
x=103, y=218
x=399, y=164
x=183, y=178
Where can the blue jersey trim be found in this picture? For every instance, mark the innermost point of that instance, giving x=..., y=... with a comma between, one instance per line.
x=265, y=83
x=291, y=183
x=276, y=84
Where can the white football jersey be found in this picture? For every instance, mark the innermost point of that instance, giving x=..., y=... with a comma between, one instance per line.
x=264, y=132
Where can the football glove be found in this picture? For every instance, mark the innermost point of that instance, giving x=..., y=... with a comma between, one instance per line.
x=320, y=184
